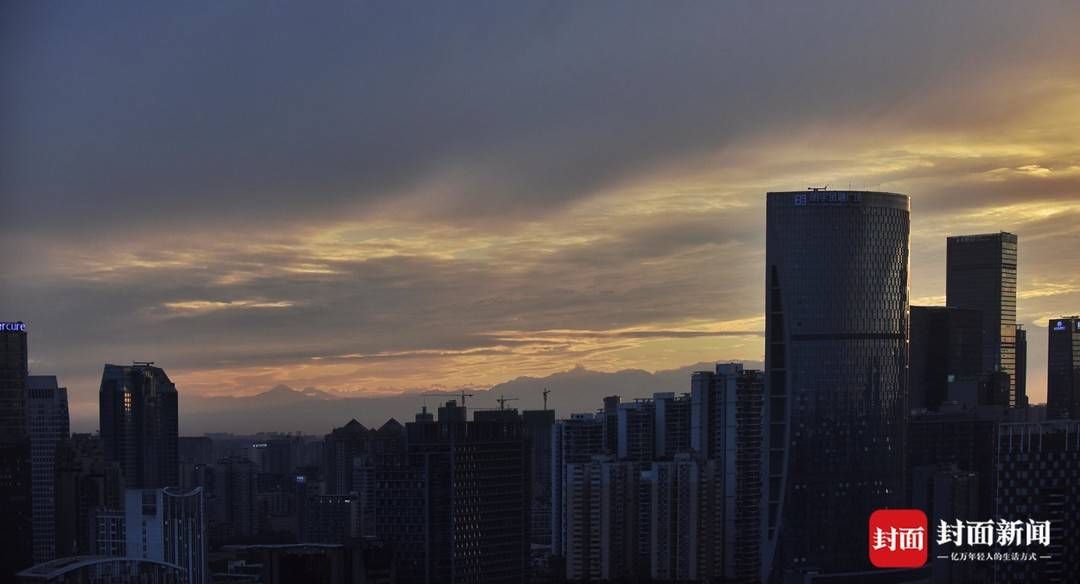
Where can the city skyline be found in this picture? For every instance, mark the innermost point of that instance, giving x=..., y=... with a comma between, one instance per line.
x=552, y=200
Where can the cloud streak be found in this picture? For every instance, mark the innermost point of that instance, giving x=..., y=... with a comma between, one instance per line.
x=374, y=198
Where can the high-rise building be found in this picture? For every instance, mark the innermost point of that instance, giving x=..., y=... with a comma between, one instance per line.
x=1021, y=367
x=233, y=508
x=14, y=367
x=836, y=360
x=15, y=477
x=331, y=519
x=455, y=507
x=687, y=509
x=981, y=275
x=601, y=527
x=1038, y=466
x=341, y=449
x=678, y=537
x=85, y=484
x=195, y=449
x=743, y=465
x=138, y=414
x=946, y=356
x=47, y=422
x=953, y=439
x=576, y=439
x=1063, y=369
x=168, y=525
x=671, y=419
x=636, y=430
x=538, y=427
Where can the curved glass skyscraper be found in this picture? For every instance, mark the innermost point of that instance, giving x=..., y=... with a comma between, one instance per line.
x=836, y=360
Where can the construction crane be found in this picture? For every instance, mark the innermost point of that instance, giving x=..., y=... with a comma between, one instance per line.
x=502, y=401
x=546, y=392
x=462, y=394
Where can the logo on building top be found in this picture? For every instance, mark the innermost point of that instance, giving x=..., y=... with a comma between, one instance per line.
x=1059, y=325
x=13, y=326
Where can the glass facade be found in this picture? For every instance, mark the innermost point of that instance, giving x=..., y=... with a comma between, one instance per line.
x=13, y=372
x=981, y=274
x=836, y=362
x=1063, y=369
x=138, y=416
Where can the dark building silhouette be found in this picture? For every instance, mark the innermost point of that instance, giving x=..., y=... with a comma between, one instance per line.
x=981, y=275
x=195, y=449
x=48, y=425
x=1021, y=367
x=331, y=519
x=690, y=513
x=1063, y=369
x=85, y=484
x=15, y=475
x=952, y=439
x=1038, y=465
x=231, y=500
x=138, y=415
x=538, y=428
x=836, y=361
x=168, y=525
x=946, y=356
x=14, y=367
x=341, y=449
x=456, y=506
x=574, y=440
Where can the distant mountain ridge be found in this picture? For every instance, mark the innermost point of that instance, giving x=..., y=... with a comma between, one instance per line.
x=314, y=411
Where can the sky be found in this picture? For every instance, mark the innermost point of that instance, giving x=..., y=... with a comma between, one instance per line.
x=369, y=198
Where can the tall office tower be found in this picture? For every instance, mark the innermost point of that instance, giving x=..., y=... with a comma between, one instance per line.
x=1063, y=369
x=47, y=421
x=1021, y=367
x=946, y=356
x=168, y=525
x=139, y=424
x=836, y=360
x=341, y=448
x=463, y=489
x=538, y=426
x=15, y=514
x=14, y=367
x=1038, y=465
x=577, y=439
x=232, y=510
x=981, y=275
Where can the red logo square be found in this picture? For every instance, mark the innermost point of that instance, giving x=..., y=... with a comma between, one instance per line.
x=899, y=538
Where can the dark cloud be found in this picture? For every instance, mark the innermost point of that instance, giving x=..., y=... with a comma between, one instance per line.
x=132, y=114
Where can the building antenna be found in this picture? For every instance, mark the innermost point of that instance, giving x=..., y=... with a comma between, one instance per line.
x=546, y=392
